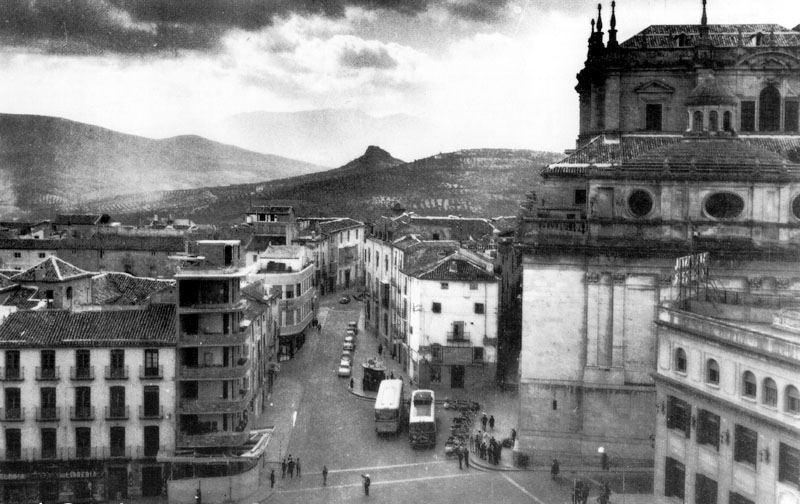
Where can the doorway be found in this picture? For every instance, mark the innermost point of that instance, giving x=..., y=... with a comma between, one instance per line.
x=456, y=376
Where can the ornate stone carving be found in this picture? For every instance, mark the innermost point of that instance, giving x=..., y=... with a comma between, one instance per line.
x=619, y=278
x=592, y=277
x=783, y=283
x=755, y=282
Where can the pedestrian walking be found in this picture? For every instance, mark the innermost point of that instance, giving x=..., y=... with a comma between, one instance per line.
x=391, y=375
x=380, y=349
x=554, y=469
x=491, y=422
x=283, y=468
x=351, y=383
x=471, y=444
x=513, y=435
x=272, y=478
x=466, y=458
x=324, y=475
x=297, y=466
x=605, y=494
x=460, y=457
x=290, y=465
x=367, y=482
x=484, y=419
x=477, y=441
x=483, y=450
x=604, y=461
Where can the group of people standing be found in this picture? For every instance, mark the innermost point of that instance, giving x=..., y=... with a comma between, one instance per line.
x=291, y=465
x=485, y=445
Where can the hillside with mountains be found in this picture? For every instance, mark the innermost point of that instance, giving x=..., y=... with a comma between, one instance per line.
x=481, y=182
x=48, y=163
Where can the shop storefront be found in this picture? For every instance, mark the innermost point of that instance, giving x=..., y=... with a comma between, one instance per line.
x=48, y=482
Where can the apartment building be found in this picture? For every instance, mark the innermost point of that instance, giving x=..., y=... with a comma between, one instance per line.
x=87, y=388
x=727, y=401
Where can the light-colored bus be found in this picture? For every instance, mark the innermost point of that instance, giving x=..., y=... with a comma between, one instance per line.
x=422, y=419
x=390, y=409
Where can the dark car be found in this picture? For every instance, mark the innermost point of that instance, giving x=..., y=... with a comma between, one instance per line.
x=344, y=299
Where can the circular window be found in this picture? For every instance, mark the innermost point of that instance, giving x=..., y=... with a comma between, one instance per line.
x=796, y=207
x=724, y=205
x=640, y=203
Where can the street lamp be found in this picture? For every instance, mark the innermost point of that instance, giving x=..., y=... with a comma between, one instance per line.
x=604, y=454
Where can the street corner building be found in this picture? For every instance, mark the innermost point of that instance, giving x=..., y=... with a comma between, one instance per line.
x=688, y=142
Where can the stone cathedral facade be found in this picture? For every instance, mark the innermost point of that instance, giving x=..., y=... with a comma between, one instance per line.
x=688, y=142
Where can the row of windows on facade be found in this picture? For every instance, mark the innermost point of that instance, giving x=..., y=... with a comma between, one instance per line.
x=769, y=394
x=118, y=444
x=745, y=440
x=83, y=368
x=705, y=489
x=764, y=113
x=478, y=308
x=82, y=410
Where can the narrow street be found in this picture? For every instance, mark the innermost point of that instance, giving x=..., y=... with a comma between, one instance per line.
x=333, y=427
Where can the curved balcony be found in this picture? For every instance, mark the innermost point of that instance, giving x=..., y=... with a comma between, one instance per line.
x=213, y=307
x=203, y=338
x=211, y=406
x=286, y=277
x=214, y=439
x=214, y=372
x=290, y=330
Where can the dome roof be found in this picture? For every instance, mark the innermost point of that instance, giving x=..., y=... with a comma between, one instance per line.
x=710, y=92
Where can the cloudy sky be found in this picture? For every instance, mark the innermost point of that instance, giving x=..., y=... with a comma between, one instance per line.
x=489, y=73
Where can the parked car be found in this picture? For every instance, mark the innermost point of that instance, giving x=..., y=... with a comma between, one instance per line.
x=346, y=355
x=348, y=345
x=345, y=368
x=351, y=333
x=352, y=326
x=350, y=339
x=344, y=299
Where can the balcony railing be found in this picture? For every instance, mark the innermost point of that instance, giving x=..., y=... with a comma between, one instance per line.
x=17, y=455
x=214, y=372
x=151, y=413
x=119, y=452
x=116, y=372
x=117, y=412
x=12, y=373
x=81, y=373
x=195, y=406
x=82, y=452
x=212, y=305
x=12, y=414
x=215, y=339
x=48, y=414
x=151, y=372
x=48, y=373
x=80, y=413
x=458, y=339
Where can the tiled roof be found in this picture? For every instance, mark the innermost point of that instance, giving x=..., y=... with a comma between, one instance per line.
x=100, y=242
x=604, y=152
x=338, y=225
x=723, y=35
x=711, y=92
x=259, y=243
x=150, y=326
x=24, y=298
x=424, y=253
x=77, y=219
x=5, y=281
x=51, y=269
x=457, y=269
x=125, y=289
x=283, y=210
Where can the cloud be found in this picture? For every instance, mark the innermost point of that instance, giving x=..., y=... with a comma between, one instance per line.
x=367, y=56
x=151, y=26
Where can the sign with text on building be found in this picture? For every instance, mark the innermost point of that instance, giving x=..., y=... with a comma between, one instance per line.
x=691, y=271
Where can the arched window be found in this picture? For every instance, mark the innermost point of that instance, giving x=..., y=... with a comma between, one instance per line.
x=69, y=292
x=680, y=360
x=712, y=372
x=713, y=120
x=749, y=384
x=726, y=121
x=769, y=109
x=792, y=400
x=697, y=121
x=770, y=395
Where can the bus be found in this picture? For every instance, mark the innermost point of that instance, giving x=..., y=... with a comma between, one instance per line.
x=390, y=407
x=421, y=419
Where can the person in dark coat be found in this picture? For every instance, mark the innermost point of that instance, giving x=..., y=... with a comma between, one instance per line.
x=324, y=475
x=491, y=422
x=554, y=469
x=380, y=349
x=272, y=478
x=466, y=458
x=297, y=466
x=290, y=466
x=483, y=421
x=513, y=435
x=460, y=457
x=283, y=468
x=367, y=482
